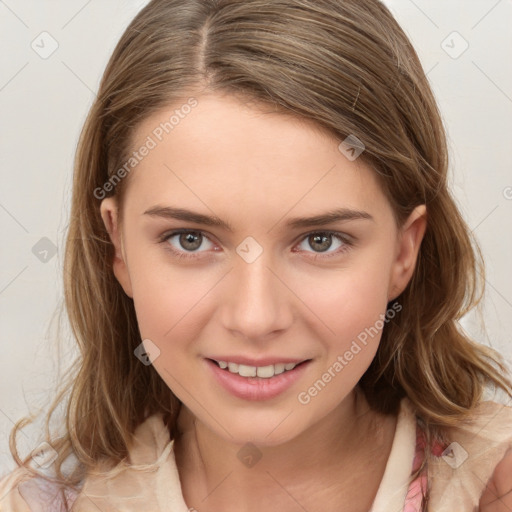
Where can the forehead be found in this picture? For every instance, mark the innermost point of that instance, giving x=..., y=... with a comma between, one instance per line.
x=223, y=151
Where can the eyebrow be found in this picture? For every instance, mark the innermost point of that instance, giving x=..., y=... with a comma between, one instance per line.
x=336, y=215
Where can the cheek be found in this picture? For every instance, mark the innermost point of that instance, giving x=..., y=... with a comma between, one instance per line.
x=348, y=301
x=173, y=305
x=351, y=313
x=165, y=300
x=169, y=312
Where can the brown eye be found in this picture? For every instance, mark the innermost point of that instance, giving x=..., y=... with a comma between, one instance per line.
x=190, y=241
x=320, y=242
x=187, y=243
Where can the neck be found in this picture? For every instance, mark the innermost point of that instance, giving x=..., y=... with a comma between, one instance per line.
x=328, y=463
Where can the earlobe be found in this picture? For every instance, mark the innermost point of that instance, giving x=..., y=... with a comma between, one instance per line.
x=109, y=213
x=408, y=246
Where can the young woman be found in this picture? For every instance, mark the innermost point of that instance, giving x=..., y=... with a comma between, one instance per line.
x=264, y=273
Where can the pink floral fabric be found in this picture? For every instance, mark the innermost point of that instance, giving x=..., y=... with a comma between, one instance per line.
x=417, y=488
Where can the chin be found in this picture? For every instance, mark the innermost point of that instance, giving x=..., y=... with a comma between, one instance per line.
x=261, y=428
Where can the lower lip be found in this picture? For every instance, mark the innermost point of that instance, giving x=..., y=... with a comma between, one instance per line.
x=256, y=388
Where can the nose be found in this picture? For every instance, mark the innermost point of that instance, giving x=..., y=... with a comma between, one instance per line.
x=257, y=304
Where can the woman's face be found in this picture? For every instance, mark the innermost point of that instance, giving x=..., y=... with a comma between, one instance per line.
x=288, y=255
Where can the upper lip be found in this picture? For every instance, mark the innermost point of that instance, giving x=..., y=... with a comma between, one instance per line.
x=264, y=361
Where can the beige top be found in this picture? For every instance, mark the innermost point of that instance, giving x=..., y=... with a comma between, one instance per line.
x=457, y=478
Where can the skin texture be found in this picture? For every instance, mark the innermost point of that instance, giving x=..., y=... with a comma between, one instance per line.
x=257, y=170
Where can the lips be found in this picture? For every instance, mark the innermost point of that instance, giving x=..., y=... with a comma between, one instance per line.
x=258, y=381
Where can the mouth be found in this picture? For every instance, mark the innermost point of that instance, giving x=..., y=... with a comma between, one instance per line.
x=263, y=372
x=256, y=382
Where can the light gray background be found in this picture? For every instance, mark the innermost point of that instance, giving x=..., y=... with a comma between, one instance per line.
x=43, y=104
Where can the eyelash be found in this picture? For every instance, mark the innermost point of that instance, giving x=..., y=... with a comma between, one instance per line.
x=347, y=243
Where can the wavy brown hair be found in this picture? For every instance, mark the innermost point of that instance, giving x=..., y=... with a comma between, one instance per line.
x=347, y=66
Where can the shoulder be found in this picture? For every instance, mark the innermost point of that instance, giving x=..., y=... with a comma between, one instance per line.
x=474, y=448
x=10, y=497
x=490, y=415
x=33, y=490
x=20, y=491
x=147, y=480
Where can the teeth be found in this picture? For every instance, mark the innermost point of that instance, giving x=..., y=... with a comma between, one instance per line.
x=279, y=368
x=264, y=372
x=246, y=371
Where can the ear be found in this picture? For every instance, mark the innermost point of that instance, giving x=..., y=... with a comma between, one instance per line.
x=407, y=249
x=110, y=215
